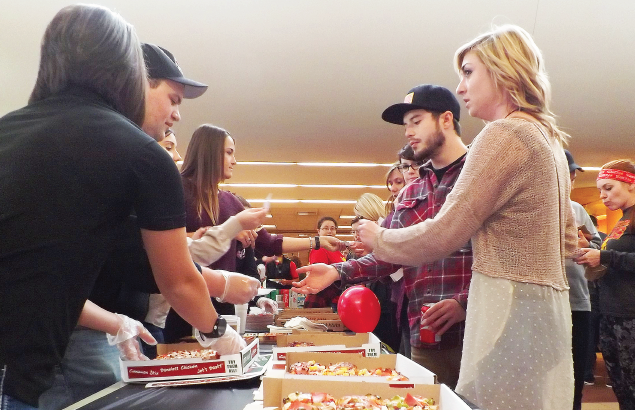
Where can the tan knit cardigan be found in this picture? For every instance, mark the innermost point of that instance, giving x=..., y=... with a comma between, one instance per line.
x=511, y=200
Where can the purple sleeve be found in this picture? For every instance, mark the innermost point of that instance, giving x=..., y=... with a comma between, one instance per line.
x=268, y=244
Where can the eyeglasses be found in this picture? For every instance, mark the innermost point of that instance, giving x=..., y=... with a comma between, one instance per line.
x=406, y=167
x=328, y=228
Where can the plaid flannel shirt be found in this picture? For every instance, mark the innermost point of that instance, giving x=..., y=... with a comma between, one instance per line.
x=429, y=283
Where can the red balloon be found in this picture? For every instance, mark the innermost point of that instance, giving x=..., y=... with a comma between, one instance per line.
x=359, y=309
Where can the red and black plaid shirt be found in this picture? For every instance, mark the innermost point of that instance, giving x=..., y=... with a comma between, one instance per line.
x=430, y=283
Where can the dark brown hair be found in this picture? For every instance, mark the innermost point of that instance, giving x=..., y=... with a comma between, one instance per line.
x=203, y=167
x=326, y=218
x=91, y=47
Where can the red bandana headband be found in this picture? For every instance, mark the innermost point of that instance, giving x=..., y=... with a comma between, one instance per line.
x=617, y=175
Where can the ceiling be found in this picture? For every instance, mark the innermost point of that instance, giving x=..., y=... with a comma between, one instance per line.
x=307, y=80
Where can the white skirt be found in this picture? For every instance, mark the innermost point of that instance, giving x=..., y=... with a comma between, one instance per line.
x=517, y=347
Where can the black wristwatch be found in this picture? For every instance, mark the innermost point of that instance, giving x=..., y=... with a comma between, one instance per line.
x=317, y=242
x=219, y=329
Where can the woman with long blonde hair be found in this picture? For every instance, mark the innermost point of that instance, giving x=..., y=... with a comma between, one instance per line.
x=517, y=347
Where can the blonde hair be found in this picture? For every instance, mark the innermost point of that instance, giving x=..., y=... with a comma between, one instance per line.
x=370, y=207
x=390, y=204
x=516, y=65
x=203, y=167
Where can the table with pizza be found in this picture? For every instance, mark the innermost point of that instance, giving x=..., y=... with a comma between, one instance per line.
x=233, y=393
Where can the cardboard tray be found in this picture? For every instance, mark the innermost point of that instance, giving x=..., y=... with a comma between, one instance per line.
x=331, y=320
x=366, y=343
x=292, y=312
x=256, y=369
x=416, y=373
x=155, y=370
x=444, y=397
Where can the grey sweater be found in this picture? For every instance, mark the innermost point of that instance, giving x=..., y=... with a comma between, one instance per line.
x=578, y=286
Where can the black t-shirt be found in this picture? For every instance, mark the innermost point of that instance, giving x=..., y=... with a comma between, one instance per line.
x=439, y=173
x=71, y=171
x=126, y=281
x=617, y=286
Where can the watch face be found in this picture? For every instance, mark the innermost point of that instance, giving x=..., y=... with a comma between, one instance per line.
x=221, y=326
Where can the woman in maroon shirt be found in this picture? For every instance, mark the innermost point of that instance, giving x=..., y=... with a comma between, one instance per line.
x=210, y=159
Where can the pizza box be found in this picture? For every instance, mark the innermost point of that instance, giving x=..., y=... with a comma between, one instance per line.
x=331, y=320
x=292, y=312
x=366, y=343
x=443, y=396
x=155, y=370
x=416, y=373
x=256, y=369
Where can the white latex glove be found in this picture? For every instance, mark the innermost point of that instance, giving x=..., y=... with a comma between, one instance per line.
x=262, y=271
x=268, y=305
x=126, y=338
x=229, y=343
x=239, y=288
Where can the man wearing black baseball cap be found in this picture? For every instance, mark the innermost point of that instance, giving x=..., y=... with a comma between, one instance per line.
x=167, y=88
x=421, y=102
x=430, y=116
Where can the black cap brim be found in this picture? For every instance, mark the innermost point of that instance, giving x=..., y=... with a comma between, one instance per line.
x=191, y=88
x=394, y=114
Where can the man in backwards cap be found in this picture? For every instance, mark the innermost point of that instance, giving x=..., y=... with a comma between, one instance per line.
x=430, y=115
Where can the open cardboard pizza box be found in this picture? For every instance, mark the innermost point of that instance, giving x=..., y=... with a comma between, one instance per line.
x=276, y=376
x=324, y=316
x=442, y=394
x=331, y=321
x=175, y=369
x=366, y=343
x=415, y=373
x=293, y=312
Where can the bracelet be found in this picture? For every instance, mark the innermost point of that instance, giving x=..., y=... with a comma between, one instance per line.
x=317, y=242
x=310, y=244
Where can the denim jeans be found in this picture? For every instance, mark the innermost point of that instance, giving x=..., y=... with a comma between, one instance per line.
x=8, y=402
x=89, y=365
x=157, y=332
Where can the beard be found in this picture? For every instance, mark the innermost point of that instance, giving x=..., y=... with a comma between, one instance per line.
x=435, y=142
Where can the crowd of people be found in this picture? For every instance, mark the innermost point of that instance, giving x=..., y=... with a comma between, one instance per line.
x=91, y=214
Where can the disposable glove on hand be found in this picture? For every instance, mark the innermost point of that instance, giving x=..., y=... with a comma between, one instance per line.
x=126, y=338
x=239, y=288
x=229, y=343
x=268, y=305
